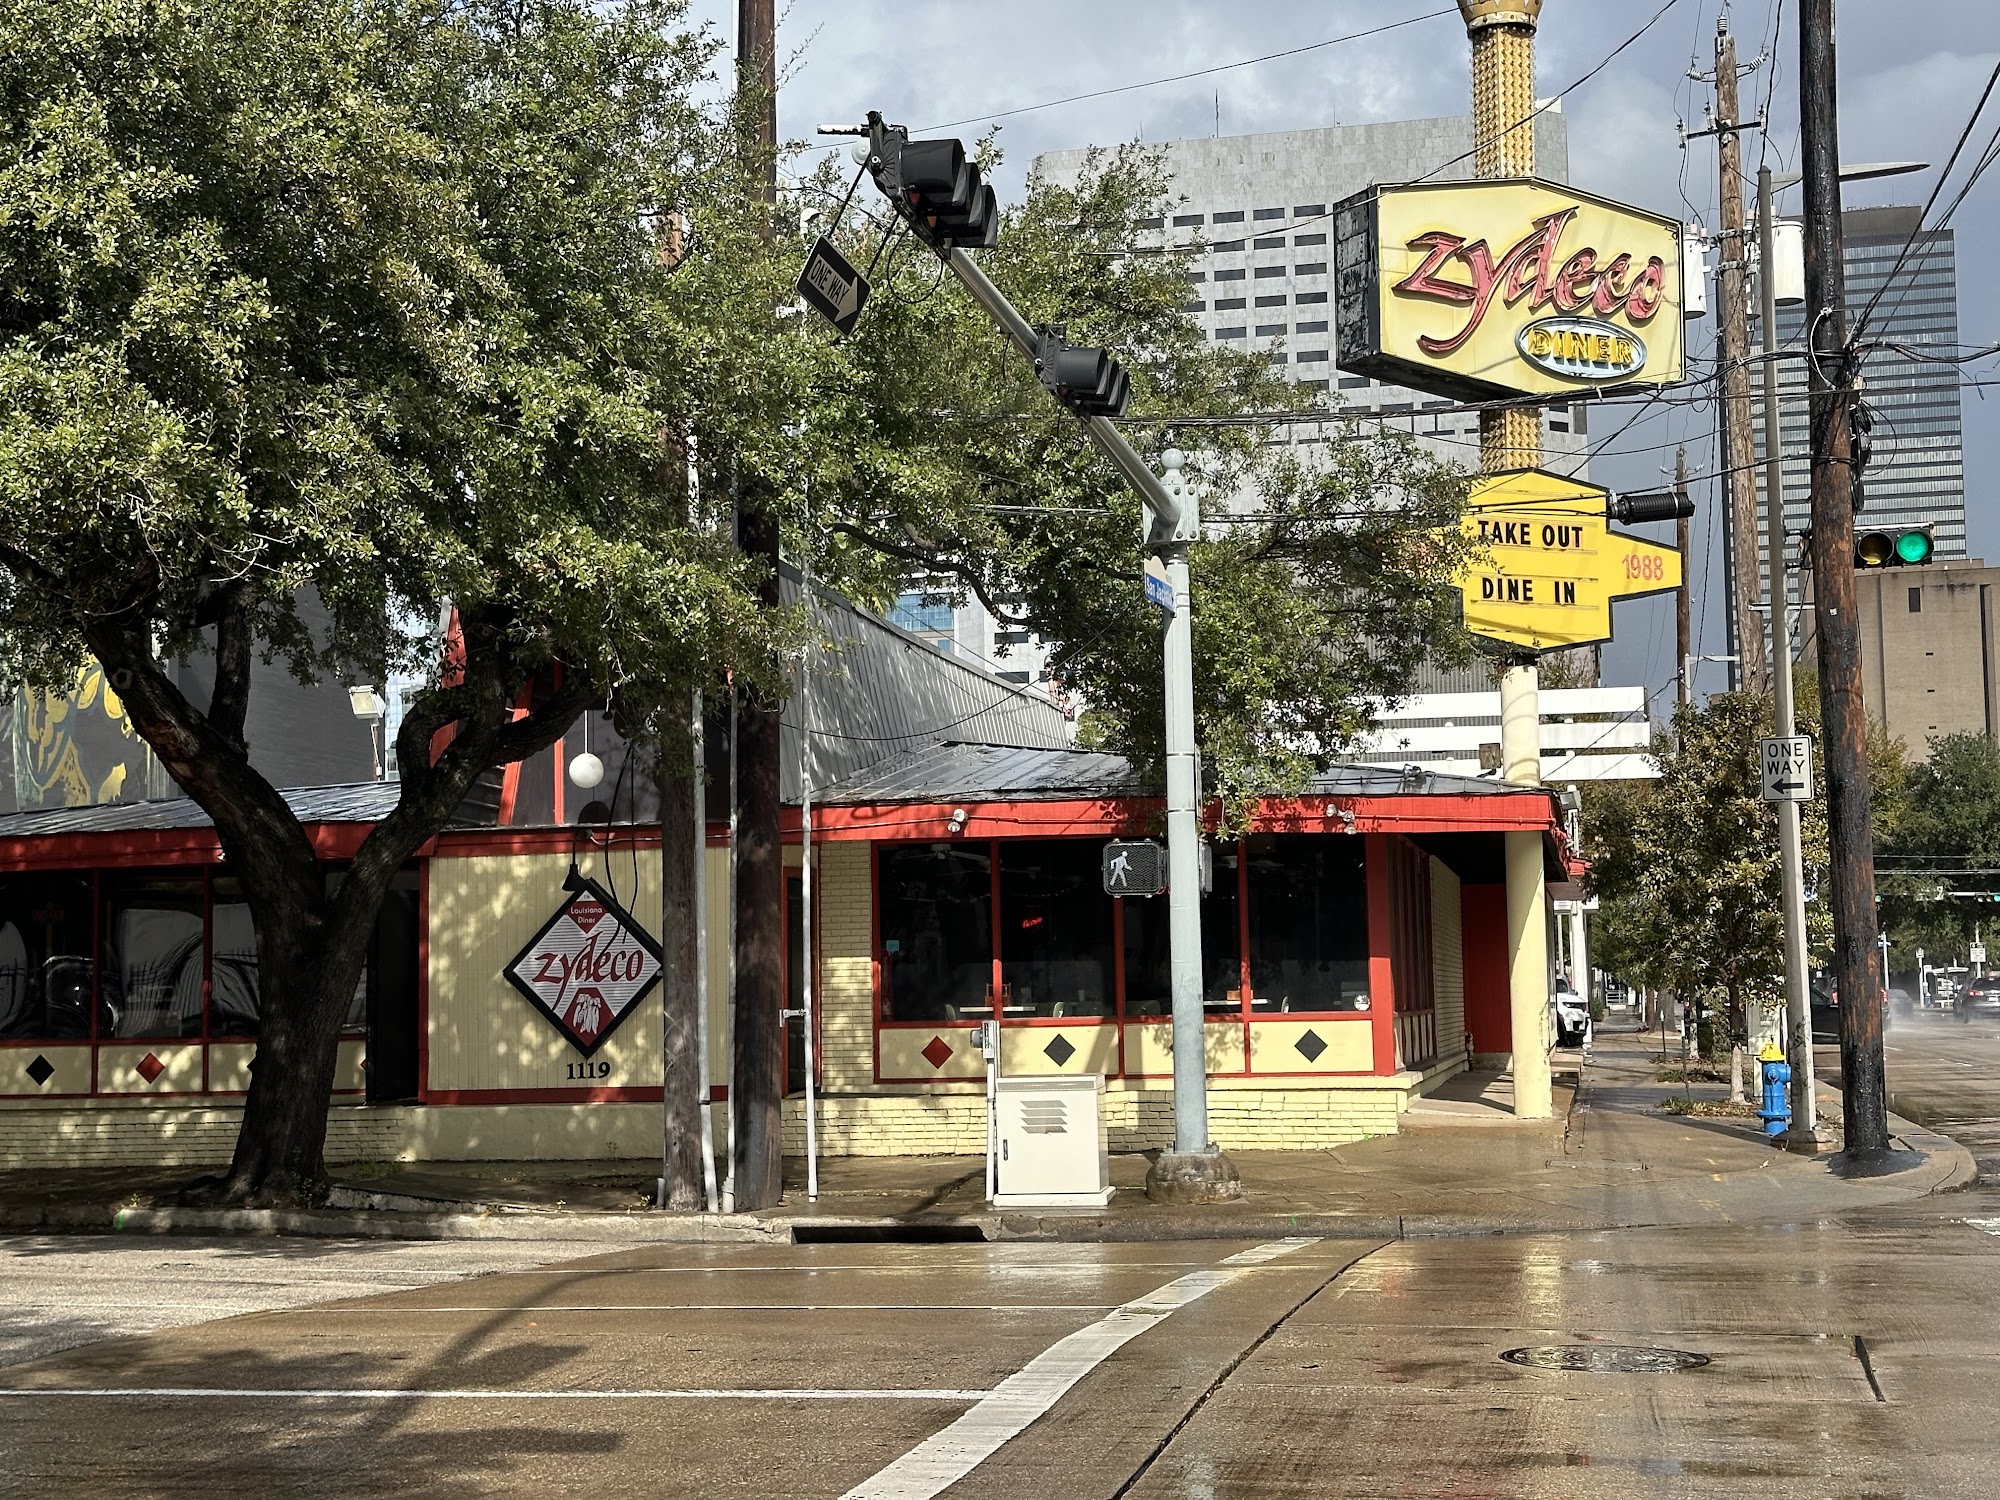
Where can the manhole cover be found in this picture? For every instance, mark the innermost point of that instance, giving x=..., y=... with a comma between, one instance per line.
x=1605, y=1359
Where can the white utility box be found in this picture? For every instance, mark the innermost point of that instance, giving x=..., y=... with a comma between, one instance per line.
x=1052, y=1144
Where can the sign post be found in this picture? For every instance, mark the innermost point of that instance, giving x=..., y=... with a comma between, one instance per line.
x=1787, y=765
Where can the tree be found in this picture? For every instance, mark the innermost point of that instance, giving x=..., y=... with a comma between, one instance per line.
x=355, y=296
x=1687, y=867
x=435, y=304
x=1950, y=820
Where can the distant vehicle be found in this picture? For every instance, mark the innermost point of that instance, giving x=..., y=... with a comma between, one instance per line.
x=1571, y=1014
x=1899, y=1001
x=1979, y=997
x=1826, y=1011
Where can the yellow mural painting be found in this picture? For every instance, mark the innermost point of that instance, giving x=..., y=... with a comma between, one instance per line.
x=72, y=748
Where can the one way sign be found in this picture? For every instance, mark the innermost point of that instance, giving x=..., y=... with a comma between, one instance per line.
x=1787, y=763
x=834, y=289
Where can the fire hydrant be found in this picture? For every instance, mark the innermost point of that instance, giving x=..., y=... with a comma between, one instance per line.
x=1777, y=1111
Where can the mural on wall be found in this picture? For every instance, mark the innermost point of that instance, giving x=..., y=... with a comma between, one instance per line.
x=73, y=748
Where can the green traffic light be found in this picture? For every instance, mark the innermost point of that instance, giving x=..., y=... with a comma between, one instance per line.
x=1914, y=547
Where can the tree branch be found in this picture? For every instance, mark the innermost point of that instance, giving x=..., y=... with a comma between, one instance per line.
x=229, y=704
x=963, y=572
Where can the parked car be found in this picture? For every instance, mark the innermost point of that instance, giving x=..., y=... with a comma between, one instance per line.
x=1979, y=997
x=1571, y=1016
x=1826, y=1012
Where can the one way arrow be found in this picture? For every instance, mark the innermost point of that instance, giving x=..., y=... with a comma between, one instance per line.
x=835, y=290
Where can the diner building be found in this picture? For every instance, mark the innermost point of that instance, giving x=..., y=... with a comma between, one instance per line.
x=1355, y=944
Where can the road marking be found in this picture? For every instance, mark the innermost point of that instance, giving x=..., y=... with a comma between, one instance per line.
x=1991, y=1226
x=216, y=1393
x=946, y=1457
x=598, y=1307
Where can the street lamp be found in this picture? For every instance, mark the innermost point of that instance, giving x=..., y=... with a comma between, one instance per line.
x=367, y=704
x=1802, y=1135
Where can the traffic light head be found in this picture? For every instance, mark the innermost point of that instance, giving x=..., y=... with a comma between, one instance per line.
x=1088, y=381
x=945, y=197
x=1651, y=505
x=1900, y=548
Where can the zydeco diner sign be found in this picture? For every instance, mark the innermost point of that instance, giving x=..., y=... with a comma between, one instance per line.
x=1518, y=287
x=588, y=968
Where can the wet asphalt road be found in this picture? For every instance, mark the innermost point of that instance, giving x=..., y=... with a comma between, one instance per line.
x=1945, y=1073
x=1846, y=1357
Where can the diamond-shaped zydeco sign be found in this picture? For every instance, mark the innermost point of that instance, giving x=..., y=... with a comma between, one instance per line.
x=588, y=968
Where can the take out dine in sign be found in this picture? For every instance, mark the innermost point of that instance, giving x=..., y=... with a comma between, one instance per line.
x=1547, y=565
x=1476, y=290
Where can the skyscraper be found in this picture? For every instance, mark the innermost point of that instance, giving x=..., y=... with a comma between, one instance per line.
x=1916, y=471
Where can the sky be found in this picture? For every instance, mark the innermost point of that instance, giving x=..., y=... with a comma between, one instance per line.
x=1910, y=76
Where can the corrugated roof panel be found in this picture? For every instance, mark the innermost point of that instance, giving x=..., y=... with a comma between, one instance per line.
x=358, y=802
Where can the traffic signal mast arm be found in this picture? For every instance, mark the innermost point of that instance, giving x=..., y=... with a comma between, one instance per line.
x=947, y=206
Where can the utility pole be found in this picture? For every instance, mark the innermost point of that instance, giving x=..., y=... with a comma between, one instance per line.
x=1683, y=610
x=1830, y=391
x=757, y=1085
x=1803, y=1133
x=1502, y=38
x=1732, y=347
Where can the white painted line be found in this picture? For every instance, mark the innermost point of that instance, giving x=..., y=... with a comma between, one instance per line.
x=594, y=1307
x=1991, y=1226
x=214, y=1393
x=946, y=1457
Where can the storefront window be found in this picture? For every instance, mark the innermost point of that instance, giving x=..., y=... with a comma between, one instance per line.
x=45, y=979
x=937, y=931
x=153, y=957
x=1308, y=923
x=1148, y=970
x=1055, y=930
x=233, y=985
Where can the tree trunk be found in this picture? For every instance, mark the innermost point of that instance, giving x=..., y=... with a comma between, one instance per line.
x=758, y=1086
x=680, y=981
x=1738, y=1026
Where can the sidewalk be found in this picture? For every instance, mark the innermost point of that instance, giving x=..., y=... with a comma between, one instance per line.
x=1462, y=1166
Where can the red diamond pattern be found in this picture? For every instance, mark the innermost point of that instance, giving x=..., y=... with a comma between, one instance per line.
x=150, y=1067
x=938, y=1052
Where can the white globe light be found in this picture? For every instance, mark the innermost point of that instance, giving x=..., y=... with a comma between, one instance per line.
x=586, y=770
x=1172, y=459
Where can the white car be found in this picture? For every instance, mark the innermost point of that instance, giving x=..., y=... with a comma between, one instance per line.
x=1571, y=1016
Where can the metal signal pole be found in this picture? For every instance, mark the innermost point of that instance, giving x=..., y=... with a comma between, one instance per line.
x=1830, y=390
x=1683, y=605
x=1502, y=36
x=1803, y=1134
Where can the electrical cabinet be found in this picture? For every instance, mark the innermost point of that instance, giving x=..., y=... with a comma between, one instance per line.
x=1052, y=1142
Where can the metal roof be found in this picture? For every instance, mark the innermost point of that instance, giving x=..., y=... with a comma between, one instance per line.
x=358, y=802
x=954, y=772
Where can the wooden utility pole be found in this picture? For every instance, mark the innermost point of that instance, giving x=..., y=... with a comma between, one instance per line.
x=757, y=1085
x=1831, y=374
x=1732, y=347
x=1683, y=613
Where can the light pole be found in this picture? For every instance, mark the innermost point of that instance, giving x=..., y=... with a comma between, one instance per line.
x=368, y=705
x=1803, y=1134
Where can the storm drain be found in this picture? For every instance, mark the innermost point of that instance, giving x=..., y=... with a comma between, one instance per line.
x=888, y=1234
x=1605, y=1359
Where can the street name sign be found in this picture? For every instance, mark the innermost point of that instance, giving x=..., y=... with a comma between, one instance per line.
x=1159, y=587
x=1548, y=565
x=832, y=287
x=1787, y=763
x=1134, y=867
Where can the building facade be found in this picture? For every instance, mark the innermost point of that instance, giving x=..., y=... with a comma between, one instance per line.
x=1916, y=469
x=1930, y=650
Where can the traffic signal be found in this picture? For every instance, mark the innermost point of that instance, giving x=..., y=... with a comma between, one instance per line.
x=945, y=198
x=1650, y=505
x=1088, y=381
x=1900, y=548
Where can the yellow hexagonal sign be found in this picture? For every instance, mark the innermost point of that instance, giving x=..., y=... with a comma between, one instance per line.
x=1548, y=563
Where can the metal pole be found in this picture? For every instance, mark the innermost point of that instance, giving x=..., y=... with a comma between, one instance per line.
x=1732, y=332
x=805, y=894
x=1502, y=39
x=1843, y=713
x=729, y=1014
x=1803, y=1134
x=1683, y=606
x=1194, y=1171
x=699, y=833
